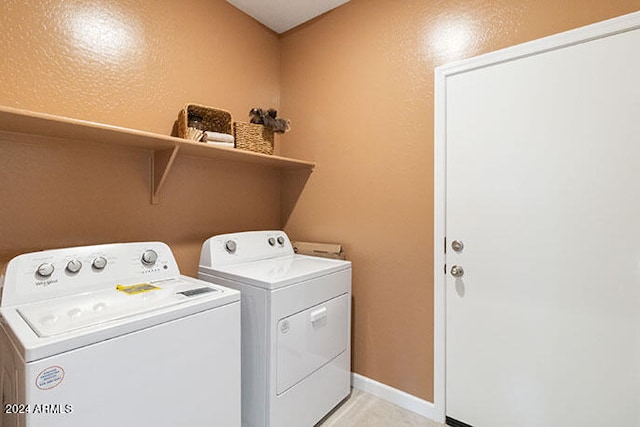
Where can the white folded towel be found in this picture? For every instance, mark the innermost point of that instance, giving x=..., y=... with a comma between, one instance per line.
x=218, y=137
x=221, y=144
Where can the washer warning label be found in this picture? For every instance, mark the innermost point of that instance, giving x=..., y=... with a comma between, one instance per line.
x=137, y=289
x=50, y=378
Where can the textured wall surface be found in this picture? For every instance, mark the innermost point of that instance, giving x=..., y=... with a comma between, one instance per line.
x=132, y=64
x=358, y=86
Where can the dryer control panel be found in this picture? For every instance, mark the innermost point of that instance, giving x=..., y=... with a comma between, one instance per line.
x=236, y=248
x=55, y=273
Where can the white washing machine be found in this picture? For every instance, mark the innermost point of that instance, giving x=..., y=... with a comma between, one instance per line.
x=296, y=322
x=113, y=335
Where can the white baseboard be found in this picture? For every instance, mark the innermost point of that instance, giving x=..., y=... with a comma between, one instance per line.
x=395, y=396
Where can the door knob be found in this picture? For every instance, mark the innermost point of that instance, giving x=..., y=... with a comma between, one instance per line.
x=457, y=271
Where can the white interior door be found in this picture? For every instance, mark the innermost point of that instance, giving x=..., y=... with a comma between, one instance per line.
x=543, y=190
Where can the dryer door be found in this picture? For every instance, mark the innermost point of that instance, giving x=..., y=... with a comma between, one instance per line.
x=310, y=339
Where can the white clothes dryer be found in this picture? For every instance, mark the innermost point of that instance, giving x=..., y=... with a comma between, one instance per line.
x=296, y=323
x=113, y=335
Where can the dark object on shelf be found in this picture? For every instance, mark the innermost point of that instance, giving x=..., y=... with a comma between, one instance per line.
x=269, y=119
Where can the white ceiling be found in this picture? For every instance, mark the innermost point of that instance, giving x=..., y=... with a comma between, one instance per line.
x=283, y=15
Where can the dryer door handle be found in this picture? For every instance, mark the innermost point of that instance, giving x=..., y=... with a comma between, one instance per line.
x=318, y=314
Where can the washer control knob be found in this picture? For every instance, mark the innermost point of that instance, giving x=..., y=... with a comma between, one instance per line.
x=74, y=266
x=45, y=269
x=99, y=263
x=272, y=241
x=280, y=240
x=149, y=257
x=230, y=246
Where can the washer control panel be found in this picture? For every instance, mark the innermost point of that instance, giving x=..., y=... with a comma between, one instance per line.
x=248, y=246
x=61, y=272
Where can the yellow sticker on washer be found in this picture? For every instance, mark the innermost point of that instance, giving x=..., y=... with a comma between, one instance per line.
x=137, y=289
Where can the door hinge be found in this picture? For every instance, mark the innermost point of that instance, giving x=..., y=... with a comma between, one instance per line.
x=445, y=251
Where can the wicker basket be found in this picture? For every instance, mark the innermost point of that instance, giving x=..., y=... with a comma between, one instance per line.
x=203, y=118
x=253, y=137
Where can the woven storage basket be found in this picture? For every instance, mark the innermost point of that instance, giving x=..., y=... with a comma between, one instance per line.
x=253, y=137
x=204, y=118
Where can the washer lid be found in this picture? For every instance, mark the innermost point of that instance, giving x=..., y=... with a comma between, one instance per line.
x=62, y=315
x=45, y=328
x=277, y=272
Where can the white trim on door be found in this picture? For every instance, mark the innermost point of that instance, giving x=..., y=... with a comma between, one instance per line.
x=602, y=29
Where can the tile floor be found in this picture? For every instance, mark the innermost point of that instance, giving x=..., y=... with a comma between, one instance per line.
x=364, y=410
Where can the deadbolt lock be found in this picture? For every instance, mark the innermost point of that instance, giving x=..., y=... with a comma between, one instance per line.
x=457, y=245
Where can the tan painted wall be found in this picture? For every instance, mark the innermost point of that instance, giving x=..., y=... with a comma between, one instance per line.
x=135, y=64
x=358, y=86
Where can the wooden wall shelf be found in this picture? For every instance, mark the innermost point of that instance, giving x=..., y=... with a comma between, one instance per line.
x=164, y=149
